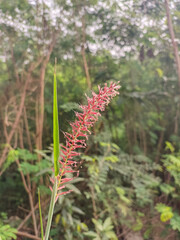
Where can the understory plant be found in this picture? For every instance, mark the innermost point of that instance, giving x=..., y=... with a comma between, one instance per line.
x=64, y=162
x=6, y=231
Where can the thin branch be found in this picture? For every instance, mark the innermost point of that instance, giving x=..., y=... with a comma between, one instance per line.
x=27, y=187
x=15, y=124
x=23, y=177
x=21, y=136
x=26, y=218
x=25, y=234
x=30, y=213
x=27, y=130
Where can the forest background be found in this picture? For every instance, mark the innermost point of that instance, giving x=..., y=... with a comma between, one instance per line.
x=129, y=183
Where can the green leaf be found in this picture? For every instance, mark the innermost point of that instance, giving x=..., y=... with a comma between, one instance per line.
x=138, y=225
x=120, y=191
x=111, y=235
x=140, y=214
x=90, y=234
x=166, y=216
x=169, y=146
x=160, y=72
x=5, y=228
x=26, y=168
x=77, y=210
x=125, y=199
x=166, y=212
x=97, y=224
x=104, y=144
x=123, y=208
x=166, y=188
x=55, y=127
x=175, y=222
x=74, y=188
x=10, y=235
x=107, y=223
x=160, y=207
x=44, y=190
x=12, y=157
x=67, y=107
x=84, y=226
x=122, y=196
x=7, y=232
x=112, y=158
x=40, y=215
x=97, y=188
x=115, y=147
x=147, y=233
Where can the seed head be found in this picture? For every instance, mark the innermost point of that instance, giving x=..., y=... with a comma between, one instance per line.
x=80, y=131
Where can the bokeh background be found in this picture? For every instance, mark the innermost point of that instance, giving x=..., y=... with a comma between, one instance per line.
x=129, y=182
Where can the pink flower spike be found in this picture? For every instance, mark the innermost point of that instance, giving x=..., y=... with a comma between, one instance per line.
x=80, y=131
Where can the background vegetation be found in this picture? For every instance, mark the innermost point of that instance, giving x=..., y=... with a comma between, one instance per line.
x=129, y=183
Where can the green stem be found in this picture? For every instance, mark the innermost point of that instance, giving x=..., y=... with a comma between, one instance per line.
x=40, y=214
x=51, y=209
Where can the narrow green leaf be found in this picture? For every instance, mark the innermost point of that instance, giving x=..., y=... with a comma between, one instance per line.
x=90, y=234
x=55, y=126
x=107, y=223
x=40, y=215
x=51, y=209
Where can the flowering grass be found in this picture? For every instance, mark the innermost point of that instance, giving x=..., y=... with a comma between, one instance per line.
x=75, y=140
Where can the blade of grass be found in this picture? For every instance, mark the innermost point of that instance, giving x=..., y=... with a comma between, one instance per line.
x=55, y=126
x=51, y=209
x=40, y=215
x=56, y=156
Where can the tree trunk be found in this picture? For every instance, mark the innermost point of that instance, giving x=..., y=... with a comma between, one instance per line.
x=174, y=44
x=177, y=59
x=83, y=53
x=40, y=98
x=40, y=111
